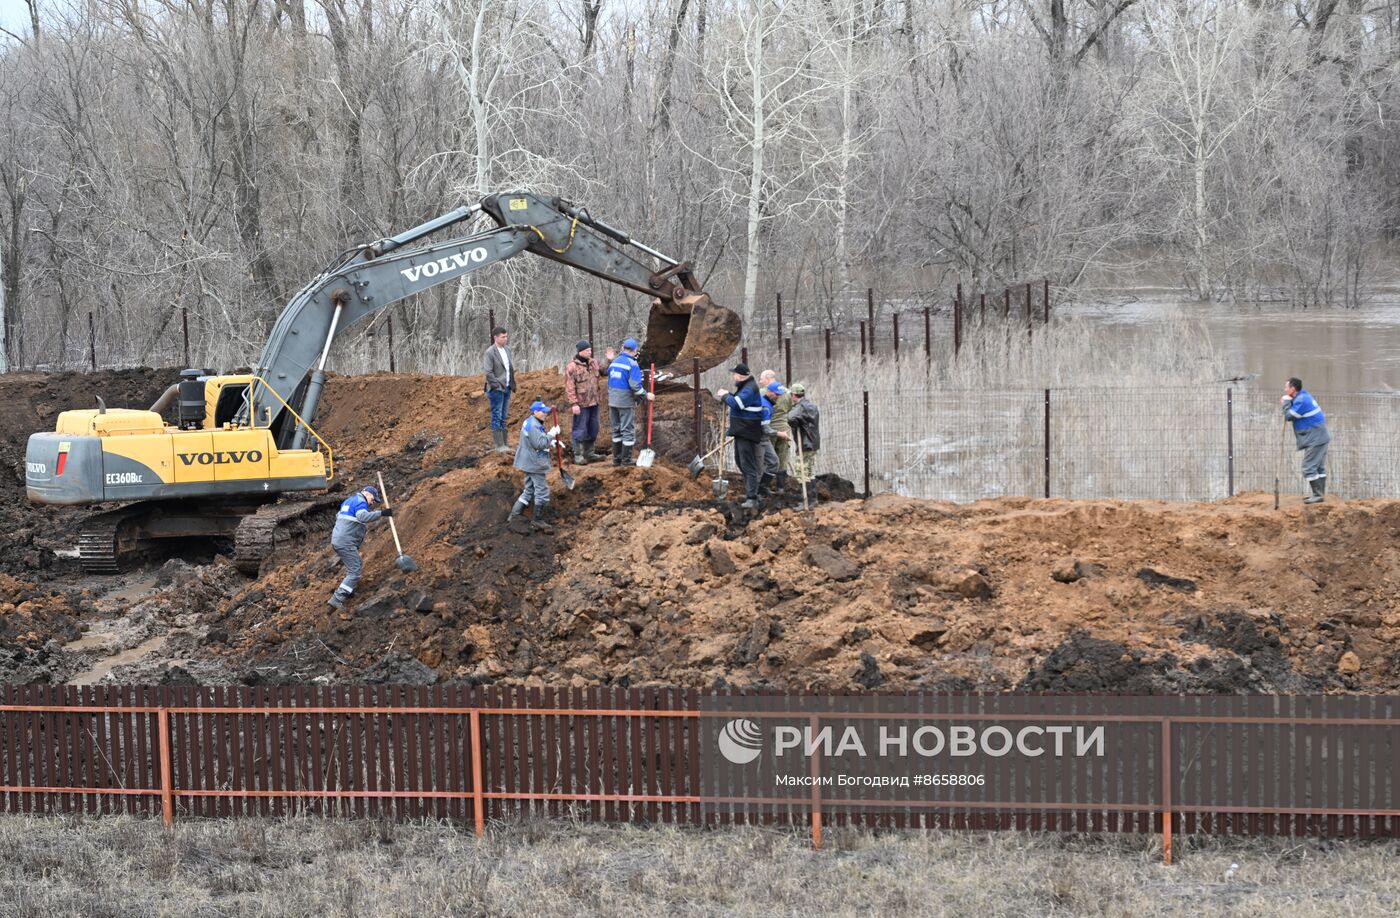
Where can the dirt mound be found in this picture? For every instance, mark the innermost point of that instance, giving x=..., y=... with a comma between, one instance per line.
x=647, y=579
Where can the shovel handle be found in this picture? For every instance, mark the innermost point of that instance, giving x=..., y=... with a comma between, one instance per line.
x=651, y=402
x=392, y=528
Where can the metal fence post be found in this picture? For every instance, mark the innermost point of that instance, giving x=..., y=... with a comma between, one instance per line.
x=827, y=333
x=185, y=327
x=695, y=376
x=957, y=326
x=1047, y=442
x=862, y=341
x=982, y=304
x=865, y=435
x=167, y=793
x=1006, y=303
x=816, y=790
x=1046, y=282
x=928, y=336
x=870, y=305
x=1230, y=437
x=787, y=358
x=778, y=300
x=744, y=355
x=389, y=327
x=590, y=324
x=1166, y=791
x=92, y=342
x=478, y=799
x=896, y=336
x=491, y=320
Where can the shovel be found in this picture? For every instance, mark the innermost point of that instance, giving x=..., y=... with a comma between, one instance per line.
x=559, y=453
x=697, y=465
x=403, y=562
x=797, y=438
x=647, y=456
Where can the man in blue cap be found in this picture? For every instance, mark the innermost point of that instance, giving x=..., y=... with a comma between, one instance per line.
x=355, y=514
x=624, y=391
x=1310, y=434
x=532, y=457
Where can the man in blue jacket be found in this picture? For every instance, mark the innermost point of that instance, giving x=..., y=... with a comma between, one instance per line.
x=746, y=427
x=624, y=391
x=532, y=457
x=1310, y=434
x=355, y=514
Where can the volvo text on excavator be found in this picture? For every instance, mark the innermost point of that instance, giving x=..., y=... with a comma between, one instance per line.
x=240, y=441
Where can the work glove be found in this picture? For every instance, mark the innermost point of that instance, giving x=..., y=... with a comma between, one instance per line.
x=553, y=432
x=577, y=409
x=387, y=511
x=651, y=396
x=721, y=393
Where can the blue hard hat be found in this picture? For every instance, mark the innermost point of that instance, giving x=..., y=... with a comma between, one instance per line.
x=775, y=387
x=630, y=344
x=539, y=406
x=372, y=491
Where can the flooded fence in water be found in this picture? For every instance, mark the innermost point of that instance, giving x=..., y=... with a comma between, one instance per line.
x=1177, y=443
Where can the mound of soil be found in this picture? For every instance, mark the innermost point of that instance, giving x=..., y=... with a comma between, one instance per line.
x=647, y=579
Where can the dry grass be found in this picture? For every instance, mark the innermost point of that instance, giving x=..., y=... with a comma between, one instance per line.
x=121, y=867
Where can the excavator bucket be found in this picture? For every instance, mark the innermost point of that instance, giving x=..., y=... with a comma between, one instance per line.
x=687, y=327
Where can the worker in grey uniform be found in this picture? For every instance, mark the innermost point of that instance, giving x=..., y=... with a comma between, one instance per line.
x=355, y=514
x=532, y=458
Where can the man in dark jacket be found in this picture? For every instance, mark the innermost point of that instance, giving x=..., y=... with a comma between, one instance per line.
x=746, y=427
x=1310, y=434
x=581, y=389
x=804, y=422
x=351, y=520
x=532, y=457
x=500, y=383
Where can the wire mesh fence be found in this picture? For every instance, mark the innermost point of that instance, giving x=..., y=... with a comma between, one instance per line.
x=1166, y=443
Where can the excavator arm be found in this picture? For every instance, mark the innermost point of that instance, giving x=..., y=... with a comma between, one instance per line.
x=684, y=323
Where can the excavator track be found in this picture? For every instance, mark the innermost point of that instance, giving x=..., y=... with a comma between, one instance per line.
x=278, y=526
x=102, y=543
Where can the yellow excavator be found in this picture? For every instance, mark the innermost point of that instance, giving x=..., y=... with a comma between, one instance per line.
x=238, y=442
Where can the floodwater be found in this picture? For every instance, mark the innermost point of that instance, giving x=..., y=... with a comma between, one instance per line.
x=1331, y=350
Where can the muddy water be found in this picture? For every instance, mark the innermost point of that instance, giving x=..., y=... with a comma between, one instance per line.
x=1332, y=350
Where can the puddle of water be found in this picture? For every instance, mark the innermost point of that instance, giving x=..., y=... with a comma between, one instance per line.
x=105, y=666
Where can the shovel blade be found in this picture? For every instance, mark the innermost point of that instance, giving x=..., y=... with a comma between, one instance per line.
x=568, y=479
x=720, y=486
x=406, y=564
x=645, y=458
x=696, y=467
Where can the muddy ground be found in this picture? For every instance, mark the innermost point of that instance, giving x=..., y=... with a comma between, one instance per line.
x=647, y=579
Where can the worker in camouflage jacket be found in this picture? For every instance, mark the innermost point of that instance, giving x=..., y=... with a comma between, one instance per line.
x=804, y=422
x=351, y=521
x=581, y=389
x=1309, y=434
x=532, y=456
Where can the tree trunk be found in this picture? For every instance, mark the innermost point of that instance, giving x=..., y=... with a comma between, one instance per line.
x=755, y=202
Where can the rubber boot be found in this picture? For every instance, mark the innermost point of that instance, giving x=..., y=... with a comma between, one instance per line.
x=617, y=452
x=589, y=452
x=782, y=482
x=765, y=486
x=516, y=509
x=626, y=452
x=540, y=521
x=500, y=437
x=1317, y=488
x=339, y=597
x=579, y=457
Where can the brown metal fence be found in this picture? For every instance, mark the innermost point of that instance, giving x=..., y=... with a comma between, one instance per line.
x=1269, y=765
